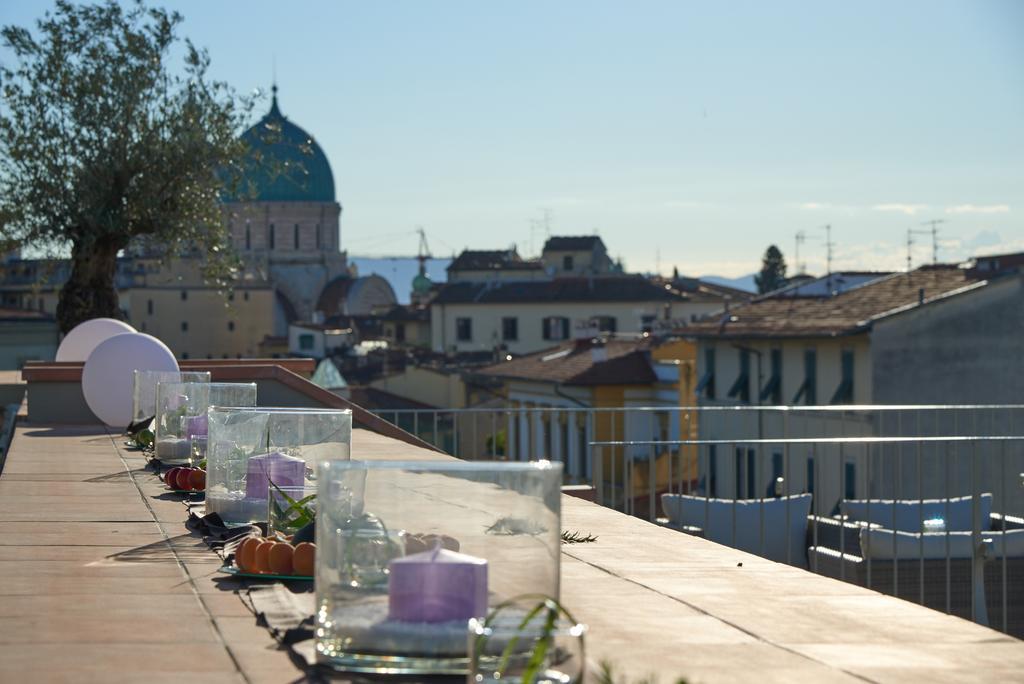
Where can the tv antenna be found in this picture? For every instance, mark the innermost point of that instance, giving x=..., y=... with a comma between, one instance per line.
x=829, y=245
x=800, y=238
x=933, y=231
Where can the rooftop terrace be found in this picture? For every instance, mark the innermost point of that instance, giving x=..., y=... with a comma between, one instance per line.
x=102, y=582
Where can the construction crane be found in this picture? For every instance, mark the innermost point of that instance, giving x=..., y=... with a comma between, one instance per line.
x=423, y=253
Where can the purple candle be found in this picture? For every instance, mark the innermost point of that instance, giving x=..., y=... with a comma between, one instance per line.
x=196, y=426
x=437, y=586
x=284, y=470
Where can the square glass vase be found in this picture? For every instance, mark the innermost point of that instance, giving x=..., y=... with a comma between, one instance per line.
x=144, y=384
x=181, y=409
x=247, y=448
x=409, y=551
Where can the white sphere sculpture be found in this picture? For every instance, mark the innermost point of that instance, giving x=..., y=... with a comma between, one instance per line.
x=84, y=337
x=108, y=375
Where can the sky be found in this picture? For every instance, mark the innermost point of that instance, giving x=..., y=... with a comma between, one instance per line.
x=686, y=134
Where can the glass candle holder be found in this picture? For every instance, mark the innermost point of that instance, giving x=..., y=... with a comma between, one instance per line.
x=546, y=649
x=409, y=551
x=144, y=384
x=181, y=413
x=247, y=448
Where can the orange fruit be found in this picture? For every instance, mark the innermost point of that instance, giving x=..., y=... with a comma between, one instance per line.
x=245, y=554
x=281, y=558
x=261, y=562
x=304, y=559
x=197, y=480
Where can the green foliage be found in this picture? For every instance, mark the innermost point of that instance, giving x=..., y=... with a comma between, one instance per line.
x=298, y=513
x=103, y=146
x=606, y=675
x=143, y=439
x=773, y=271
x=550, y=610
x=577, y=537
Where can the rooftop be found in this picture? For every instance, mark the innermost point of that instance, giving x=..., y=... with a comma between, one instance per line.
x=566, y=290
x=847, y=311
x=573, y=243
x=97, y=566
x=607, y=362
x=487, y=260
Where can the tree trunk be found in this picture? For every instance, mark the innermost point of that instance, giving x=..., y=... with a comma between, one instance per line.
x=89, y=291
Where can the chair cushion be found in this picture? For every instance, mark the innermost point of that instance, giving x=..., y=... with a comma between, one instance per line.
x=906, y=515
x=879, y=544
x=689, y=510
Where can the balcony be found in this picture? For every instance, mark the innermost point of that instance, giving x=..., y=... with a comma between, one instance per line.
x=101, y=581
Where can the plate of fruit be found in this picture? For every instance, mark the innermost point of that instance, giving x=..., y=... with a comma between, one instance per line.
x=266, y=558
x=188, y=480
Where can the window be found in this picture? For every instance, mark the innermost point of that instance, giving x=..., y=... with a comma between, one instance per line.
x=567, y=262
x=647, y=323
x=231, y=296
x=464, y=329
x=772, y=391
x=184, y=295
x=555, y=328
x=184, y=355
x=248, y=235
x=296, y=236
x=707, y=381
x=606, y=324
x=271, y=236
x=510, y=328
x=184, y=326
x=245, y=296
x=149, y=307
x=306, y=341
x=745, y=475
x=741, y=388
x=231, y=326
x=844, y=393
x=850, y=480
x=809, y=389
x=810, y=476
x=399, y=332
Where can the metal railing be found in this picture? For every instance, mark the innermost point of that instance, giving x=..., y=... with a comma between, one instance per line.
x=955, y=550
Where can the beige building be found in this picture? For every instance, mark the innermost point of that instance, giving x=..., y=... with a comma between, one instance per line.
x=945, y=334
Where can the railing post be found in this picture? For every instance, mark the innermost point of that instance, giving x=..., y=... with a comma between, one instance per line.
x=979, y=611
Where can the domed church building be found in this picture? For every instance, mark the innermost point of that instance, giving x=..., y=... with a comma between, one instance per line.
x=285, y=222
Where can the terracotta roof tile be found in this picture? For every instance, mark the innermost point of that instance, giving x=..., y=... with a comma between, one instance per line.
x=848, y=312
x=625, y=362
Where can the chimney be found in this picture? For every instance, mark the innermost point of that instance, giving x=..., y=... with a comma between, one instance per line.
x=598, y=354
x=920, y=295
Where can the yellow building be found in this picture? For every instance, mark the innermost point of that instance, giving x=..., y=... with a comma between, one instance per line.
x=606, y=389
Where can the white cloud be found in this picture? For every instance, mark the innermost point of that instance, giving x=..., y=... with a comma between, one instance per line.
x=978, y=209
x=812, y=206
x=908, y=209
x=686, y=204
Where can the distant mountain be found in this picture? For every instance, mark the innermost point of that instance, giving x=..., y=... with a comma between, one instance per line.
x=742, y=283
x=399, y=272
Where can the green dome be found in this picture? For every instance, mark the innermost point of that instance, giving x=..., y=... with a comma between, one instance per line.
x=421, y=284
x=286, y=164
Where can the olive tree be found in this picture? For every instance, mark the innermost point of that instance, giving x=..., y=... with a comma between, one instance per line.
x=104, y=143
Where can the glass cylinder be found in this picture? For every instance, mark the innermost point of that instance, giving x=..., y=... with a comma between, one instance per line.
x=409, y=551
x=144, y=384
x=181, y=413
x=547, y=649
x=247, y=449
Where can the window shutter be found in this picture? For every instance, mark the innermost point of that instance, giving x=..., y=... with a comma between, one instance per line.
x=546, y=326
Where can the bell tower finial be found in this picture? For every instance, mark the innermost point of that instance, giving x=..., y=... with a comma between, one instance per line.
x=273, y=100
